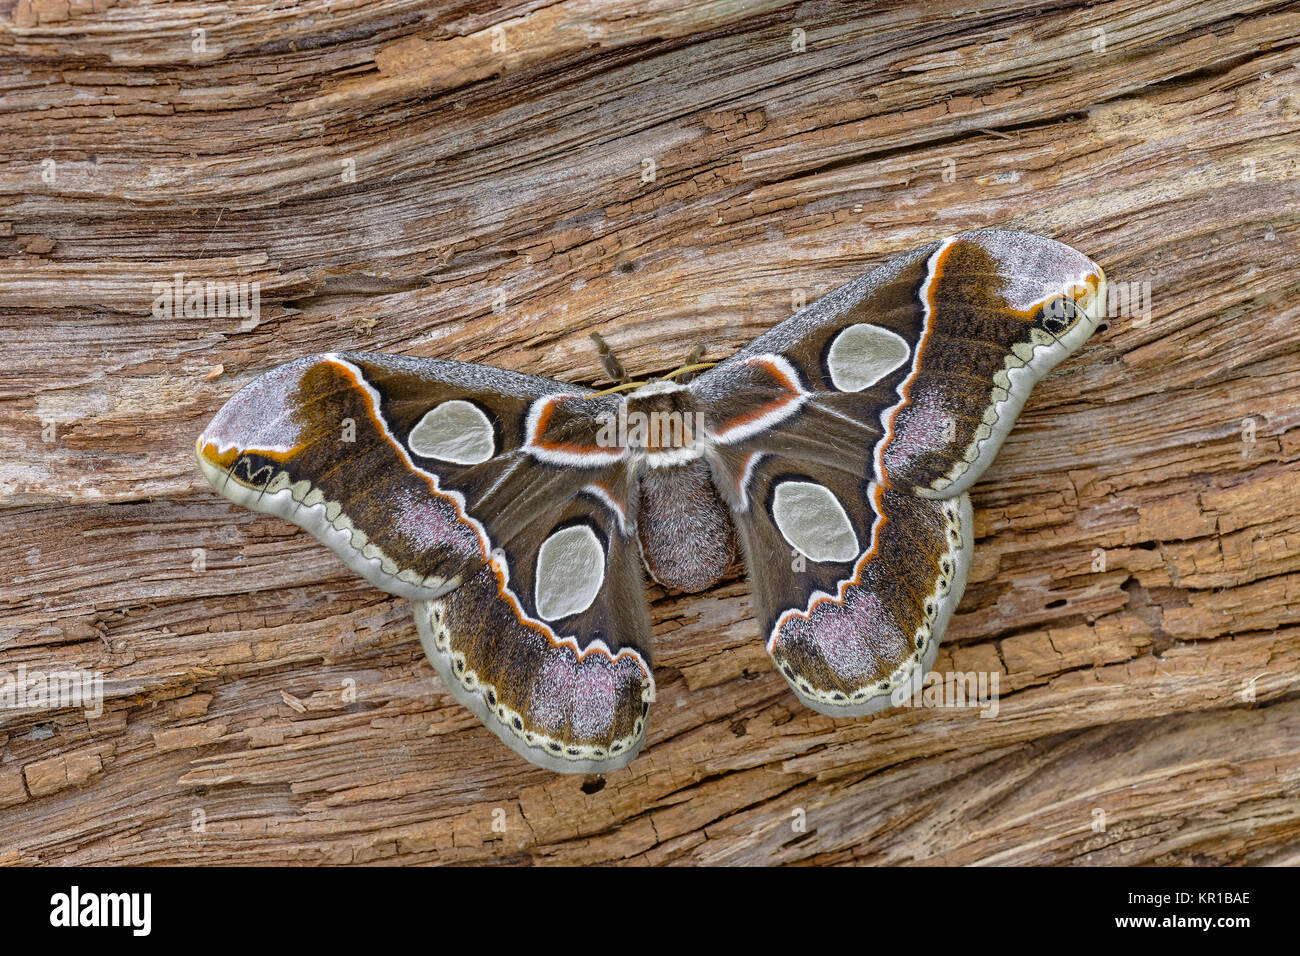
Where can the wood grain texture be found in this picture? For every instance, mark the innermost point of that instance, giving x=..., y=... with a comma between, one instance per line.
x=490, y=182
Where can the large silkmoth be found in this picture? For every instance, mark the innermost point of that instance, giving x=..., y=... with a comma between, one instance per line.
x=520, y=514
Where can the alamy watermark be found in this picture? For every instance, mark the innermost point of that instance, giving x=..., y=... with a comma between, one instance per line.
x=1130, y=300
x=52, y=690
x=630, y=428
x=208, y=299
x=133, y=911
x=949, y=689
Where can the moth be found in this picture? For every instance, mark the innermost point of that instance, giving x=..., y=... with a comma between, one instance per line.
x=520, y=515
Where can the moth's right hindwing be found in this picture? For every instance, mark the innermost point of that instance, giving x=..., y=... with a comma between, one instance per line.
x=572, y=698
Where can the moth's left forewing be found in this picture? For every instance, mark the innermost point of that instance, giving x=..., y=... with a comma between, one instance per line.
x=998, y=311
x=937, y=351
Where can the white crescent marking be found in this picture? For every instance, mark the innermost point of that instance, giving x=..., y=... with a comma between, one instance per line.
x=863, y=354
x=456, y=431
x=570, y=571
x=812, y=519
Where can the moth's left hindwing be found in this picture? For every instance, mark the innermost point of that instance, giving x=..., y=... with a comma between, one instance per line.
x=483, y=496
x=845, y=440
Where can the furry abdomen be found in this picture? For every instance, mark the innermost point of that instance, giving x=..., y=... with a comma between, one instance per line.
x=687, y=539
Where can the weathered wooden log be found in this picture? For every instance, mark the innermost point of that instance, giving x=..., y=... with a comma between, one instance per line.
x=487, y=183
